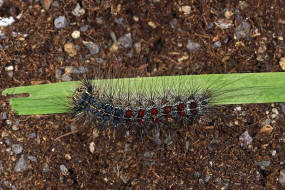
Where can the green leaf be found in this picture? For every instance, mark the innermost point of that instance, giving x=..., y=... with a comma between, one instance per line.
x=240, y=88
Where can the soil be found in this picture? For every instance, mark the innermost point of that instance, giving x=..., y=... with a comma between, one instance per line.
x=154, y=37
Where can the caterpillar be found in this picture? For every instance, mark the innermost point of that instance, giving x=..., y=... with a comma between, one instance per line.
x=106, y=104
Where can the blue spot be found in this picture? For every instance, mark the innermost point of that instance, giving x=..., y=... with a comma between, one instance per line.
x=91, y=100
x=84, y=96
x=100, y=105
x=106, y=118
x=108, y=108
x=80, y=102
x=118, y=112
x=116, y=120
x=87, y=108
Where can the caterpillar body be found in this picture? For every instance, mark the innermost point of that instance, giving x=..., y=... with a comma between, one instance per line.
x=111, y=107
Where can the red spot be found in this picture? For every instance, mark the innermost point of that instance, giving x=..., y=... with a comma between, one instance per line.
x=141, y=113
x=154, y=111
x=182, y=113
x=129, y=113
x=155, y=120
x=167, y=109
x=180, y=106
x=193, y=105
x=141, y=121
x=194, y=112
x=128, y=122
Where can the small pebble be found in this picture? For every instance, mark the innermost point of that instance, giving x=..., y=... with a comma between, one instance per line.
x=217, y=44
x=21, y=165
x=242, y=31
x=55, y=4
x=228, y=14
x=84, y=28
x=60, y=22
x=210, y=26
x=78, y=11
x=266, y=129
x=17, y=148
x=275, y=110
x=9, y=68
x=32, y=158
x=46, y=4
x=8, y=122
x=63, y=170
x=74, y=70
x=67, y=156
x=173, y=23
x=273, y=116
x=4, y=22
x=207, y=178
x=281, y=177
x=147, y=155
x=114, y=47
x=238, y=108
x=123, y=178
x=127, y=147
x=69, y=48
x=263, y=164
x=113, y=36
x=66, y=77
x=136, y=18
x=3, y=115
x=126, y=40
x=187, y=145
x=15, y=127
x=273, y=152
x=138, y=47
x=73, y=128
x=245, y=139
x=75, y=34
x=152, y=24
x=92, y=147
x=32, y=135
x=192, y=46
x=186, y=9
x=282, y=63
x=7, y=142
x=99, y=20
x=99, y=60
x=183, y=58
x=242, y=5
x=92, y=47
x=119, y=21
x=224, y=23
x=197, y=174
x=45, y=168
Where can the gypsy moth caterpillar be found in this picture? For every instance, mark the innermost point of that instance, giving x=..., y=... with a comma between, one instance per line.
x=150, y=101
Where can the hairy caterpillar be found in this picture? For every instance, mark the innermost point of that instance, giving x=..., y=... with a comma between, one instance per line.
x=108, y=103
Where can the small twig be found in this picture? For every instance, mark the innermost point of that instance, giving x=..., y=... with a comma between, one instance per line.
x=66, y=134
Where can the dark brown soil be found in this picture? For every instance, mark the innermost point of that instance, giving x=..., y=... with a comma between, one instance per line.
x=207, y=155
